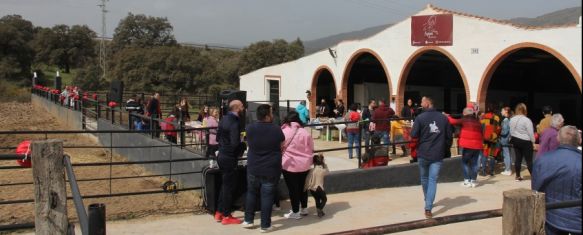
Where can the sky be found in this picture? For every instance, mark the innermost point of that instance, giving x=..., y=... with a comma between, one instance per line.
x=241, y=22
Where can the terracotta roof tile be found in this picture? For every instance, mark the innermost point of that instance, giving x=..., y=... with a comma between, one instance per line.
x=504, y=22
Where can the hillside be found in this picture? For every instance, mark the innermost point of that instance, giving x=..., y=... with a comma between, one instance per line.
x=322, y=43
x=565, y=16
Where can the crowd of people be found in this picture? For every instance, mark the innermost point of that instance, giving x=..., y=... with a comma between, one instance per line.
x=287, y=151
x=273, y=151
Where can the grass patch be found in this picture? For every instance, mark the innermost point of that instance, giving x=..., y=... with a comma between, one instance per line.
x=50, y=73
x=9, y=92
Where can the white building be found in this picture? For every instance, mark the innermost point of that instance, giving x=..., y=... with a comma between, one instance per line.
x=484, y=60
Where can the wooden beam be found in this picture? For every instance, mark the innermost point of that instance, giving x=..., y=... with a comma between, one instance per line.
x=50, y=193
x=523, y=212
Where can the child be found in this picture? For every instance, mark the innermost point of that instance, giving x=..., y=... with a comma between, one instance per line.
x=315, y=182
x=168, y=128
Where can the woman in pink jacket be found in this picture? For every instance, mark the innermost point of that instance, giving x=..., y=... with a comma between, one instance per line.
x=297, y=151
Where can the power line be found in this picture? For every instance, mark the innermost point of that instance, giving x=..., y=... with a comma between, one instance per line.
x=102, y=52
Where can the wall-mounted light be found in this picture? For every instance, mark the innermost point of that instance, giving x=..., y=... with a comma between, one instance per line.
x=332, y=52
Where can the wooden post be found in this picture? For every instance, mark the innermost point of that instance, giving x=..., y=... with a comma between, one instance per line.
x=50, y=193
x=523, y=212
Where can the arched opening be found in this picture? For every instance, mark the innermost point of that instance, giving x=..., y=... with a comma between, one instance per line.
x=433, y=73
x=323, y=88
x=365, y=78
x=537, y=78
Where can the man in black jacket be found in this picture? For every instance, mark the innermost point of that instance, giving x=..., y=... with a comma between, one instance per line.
x=433, y=132
x=230, y=148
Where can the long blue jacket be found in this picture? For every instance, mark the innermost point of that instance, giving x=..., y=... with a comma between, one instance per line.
x=558, y=175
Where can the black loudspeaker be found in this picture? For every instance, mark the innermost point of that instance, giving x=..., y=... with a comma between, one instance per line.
x=226, y=96
x=116, y=91
x=58, y=83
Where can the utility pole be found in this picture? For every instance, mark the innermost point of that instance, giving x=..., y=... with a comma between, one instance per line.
x=102, y=54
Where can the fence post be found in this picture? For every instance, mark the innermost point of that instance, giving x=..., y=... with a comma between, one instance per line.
x=182, y=135
x=523, y=212
x=359, y=152
x=50, y=192
x=97, y=109
x=83, y=113
x=97, y=224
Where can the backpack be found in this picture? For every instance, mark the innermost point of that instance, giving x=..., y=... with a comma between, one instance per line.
x=352, y=116
x=490, y=127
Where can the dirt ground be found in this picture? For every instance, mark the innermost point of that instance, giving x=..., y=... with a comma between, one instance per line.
x=22, y=116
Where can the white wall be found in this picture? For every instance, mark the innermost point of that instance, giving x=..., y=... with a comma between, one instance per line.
x=394, y=48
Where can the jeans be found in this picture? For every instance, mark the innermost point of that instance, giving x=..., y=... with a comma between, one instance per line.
x=507, y=159
x=522, y=148
x=366, y=134
x=490, y=162
x=470, y=163
x=295, y=182
x=429, y=173
x=320, y=197
x=353, y=138
x=384, y=136
x=263, y=187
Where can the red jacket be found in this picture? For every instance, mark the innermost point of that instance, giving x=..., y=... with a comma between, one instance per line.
x=168, y=127
x=383, y=112
x=471, y=134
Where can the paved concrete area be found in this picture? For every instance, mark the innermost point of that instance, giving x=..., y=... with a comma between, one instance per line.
x=354, y=210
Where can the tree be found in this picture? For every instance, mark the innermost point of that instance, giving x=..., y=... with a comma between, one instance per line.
x=143, y=31
x=65, y=46
x=262, y=54
x=15, y=53
x=162, y=68
x=89, y=78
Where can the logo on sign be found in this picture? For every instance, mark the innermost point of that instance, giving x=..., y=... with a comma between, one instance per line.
x=429, y=29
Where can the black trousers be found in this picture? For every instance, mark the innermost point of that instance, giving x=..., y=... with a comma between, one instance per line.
x=295, y=182
x=522, y=149
x=320, y=197
x=171, y=138
x=229, y=176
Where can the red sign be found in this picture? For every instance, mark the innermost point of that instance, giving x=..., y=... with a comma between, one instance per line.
x=432, y=30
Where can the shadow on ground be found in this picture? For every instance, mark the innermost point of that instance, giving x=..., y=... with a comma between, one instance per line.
x=281, y=223
x=450, y=203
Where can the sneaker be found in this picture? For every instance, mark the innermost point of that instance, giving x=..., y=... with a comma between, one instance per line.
x=266, y=230
x=518, y=179
x=276, y=208
x=473, y=184
x=230, y=220
x=292, y=215
x=246, y=224
x=304, y=211
x=321, y=213
x=428, y=214
x=466, y=184
x=218, y=216
x=506, y=173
